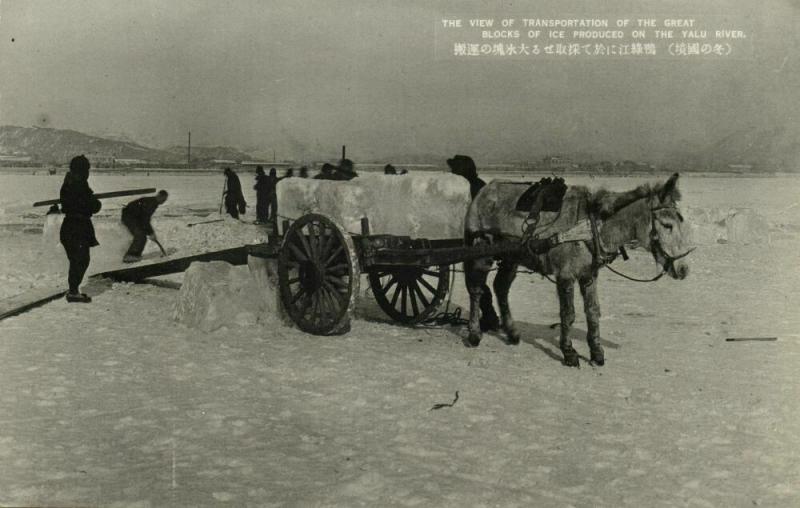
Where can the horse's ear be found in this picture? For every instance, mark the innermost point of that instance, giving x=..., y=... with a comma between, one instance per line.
x=670, y=188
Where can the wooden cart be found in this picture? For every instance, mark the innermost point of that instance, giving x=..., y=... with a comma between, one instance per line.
x=320, y=266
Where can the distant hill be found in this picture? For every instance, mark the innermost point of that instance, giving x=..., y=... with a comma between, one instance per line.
x=776, y=149
x=752, y=149
x=58, y=146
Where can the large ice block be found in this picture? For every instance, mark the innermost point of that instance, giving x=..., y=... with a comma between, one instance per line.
x=217, y=294
x=420, y=205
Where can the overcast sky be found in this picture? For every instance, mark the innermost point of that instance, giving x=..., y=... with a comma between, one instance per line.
x=306, y=77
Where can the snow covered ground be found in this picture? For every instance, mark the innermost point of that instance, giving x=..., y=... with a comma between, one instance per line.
x=115, y=404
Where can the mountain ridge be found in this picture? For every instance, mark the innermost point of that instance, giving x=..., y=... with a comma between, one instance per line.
x=748, y=149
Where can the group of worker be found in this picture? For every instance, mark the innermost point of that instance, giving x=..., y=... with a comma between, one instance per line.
x=266, y=188
x=78, y=204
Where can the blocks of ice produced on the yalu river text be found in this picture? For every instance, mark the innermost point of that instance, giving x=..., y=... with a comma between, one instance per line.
x=217, y=294
x=419, y=205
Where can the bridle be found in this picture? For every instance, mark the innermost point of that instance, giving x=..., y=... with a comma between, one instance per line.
x=656, y=249
x=655, y=241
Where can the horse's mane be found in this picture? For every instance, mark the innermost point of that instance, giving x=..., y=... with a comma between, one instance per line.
x=605, y=203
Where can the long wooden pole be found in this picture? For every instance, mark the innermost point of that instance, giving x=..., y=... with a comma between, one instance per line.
x=102, y=195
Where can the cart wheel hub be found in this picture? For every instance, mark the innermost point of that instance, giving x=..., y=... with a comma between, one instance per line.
x=409, y=275
x=311, y=277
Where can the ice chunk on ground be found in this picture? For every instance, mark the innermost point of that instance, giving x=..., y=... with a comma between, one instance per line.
x=727, y=225
x=264, y=273
x=746, y=226
x=430, y=205
x=217, y=294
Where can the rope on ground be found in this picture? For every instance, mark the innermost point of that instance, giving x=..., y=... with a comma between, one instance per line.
x=446, y=317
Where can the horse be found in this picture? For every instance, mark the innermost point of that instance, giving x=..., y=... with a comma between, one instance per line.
x=647, y=216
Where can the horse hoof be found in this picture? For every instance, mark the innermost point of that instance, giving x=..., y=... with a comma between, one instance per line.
x=597, y=356
x=473, y=339
x=513, y=337
x=571, y=358
x=490, y=323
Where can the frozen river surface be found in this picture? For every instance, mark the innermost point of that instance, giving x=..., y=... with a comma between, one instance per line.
x=115, y=404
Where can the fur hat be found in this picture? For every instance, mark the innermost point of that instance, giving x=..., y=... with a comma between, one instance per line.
x=463, y=165
x=79, y=166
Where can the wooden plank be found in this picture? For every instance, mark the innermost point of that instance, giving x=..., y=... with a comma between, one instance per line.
x=264, y=250
x=37, y=297
x=443, y=255
x=28, y=300
x=744, y=339
x=234, y=256
x=98, y=283
x=102, y=195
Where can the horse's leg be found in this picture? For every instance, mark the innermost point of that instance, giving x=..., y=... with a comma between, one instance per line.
x=592, y=308
x=489, y=320
x=566, y=302
x=506, y=273
x=475, y=273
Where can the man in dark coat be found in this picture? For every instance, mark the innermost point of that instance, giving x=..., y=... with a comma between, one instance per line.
x=77, y=232
x=136, y=216
x=266, y=195
x=326, y=172
x=262, y=195
x=345, y=170
x=234, y=199
x=463, y=165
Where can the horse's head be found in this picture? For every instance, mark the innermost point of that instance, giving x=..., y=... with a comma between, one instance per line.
x=668, y=234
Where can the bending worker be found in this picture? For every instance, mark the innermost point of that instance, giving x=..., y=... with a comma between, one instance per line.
x=136, y=216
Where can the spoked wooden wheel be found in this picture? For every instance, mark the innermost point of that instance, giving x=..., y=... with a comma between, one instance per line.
x=410, y=294
x=318, y=275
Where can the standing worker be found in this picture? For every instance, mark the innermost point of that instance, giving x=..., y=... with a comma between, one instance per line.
x=136, y=216
x=464, y=166
x=77, y=232
x=266, y=195
x=262, y=196
x=326, y=172
x=234, y=199
x=345, y=170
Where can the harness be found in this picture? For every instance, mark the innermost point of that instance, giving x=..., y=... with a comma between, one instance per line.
x=600, y=257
